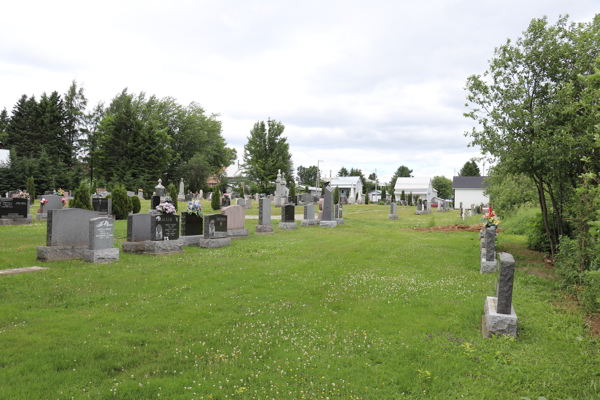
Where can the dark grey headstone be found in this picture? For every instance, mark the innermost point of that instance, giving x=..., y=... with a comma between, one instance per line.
x=102, y=205
x=490, y=244
x=164, y=227
x=191, y=224
x=102, y=233
x=54, y=203
x=328, y=205
x=138, y=227
x=505, y=283
x=288, y=213
x=264, y=211
x=69, y=227
x=155, y=202
x=215, y=226
x=14, y=208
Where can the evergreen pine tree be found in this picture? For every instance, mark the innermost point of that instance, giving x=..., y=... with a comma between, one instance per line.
x=402, y=196
x=383, y=194
x=31, y=188
x=120, y=202
x=336, y=195
x=173, y=194
x=393, y=197
x=410, y=199
x=293, y=191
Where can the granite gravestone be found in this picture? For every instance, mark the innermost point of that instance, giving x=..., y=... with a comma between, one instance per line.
x=191, y=224
x=101, y=240
x=215, y=226
x=392, y=214
x=241, y=202
x=235, y=221
x=14, y=208
x=14, y=211
x=67, y=234
x=288, y=217
x=138, y=227
x=490, y=243
x=288, y=213
x=500, y=317
x=154, y=202
x=164, y=227
x=54, y=203
x=328, y=221
x=102, y=205
x=264, y=217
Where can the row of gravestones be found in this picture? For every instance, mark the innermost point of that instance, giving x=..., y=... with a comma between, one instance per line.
x=499, y=316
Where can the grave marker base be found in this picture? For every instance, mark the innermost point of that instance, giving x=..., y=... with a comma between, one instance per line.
x=487, y=267
x=309, y=222
x=134, y=247
x=498, y=324
x=237, y=233
x=340, y=221
x=16, y=221
x=327, y=224
x=54, y=253
x=212, y=243
x=101, y=256
x=287, y=226
x=264, y=229
x=392, y=216
x=163, y=247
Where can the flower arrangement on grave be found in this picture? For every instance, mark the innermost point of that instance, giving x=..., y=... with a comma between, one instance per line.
x=140, y=190
x=195, y=208
x=60, y=192
x=491, y=219
x=23, y=195
x=165, y=208
x=43, y=201
x=64, y=201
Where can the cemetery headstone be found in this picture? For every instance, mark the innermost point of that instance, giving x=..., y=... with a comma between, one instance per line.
x=288, y=217
x=327, y=221
x=265, y=225
x=102, y=205
x=154, y=202
x=101, y=241
x=14, y=211
x=392, y=214
x=191, y=224
x=164, y=227
x=499, y=316
x=67, y=234
x=309, y=215
x=241, y=202
x=235, y=221
x=53, y=202
x=138, y=232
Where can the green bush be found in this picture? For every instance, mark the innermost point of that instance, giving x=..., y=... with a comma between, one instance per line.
x=381, y=203
x=120, y=202
x=516, y=223
x=477, y=209
x=108, y=196
x=367, y=199
x=82, y=199
x=566, y=262
x=336, y=195
x=215, y=203
x=590, y=296
x=293, y=192
x=173, y=194
x=31, y=188
x=71, y=203
x=537, y=239
x=136, y=205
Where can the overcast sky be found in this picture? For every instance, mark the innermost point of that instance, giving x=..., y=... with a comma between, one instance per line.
x=370, y=84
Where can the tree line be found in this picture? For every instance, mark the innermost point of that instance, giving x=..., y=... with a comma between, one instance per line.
x=135, y=140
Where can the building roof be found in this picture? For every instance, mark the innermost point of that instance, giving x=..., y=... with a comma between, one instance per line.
x=468, y=182
x=375, y=192
x=412, y=184
x=344, y=180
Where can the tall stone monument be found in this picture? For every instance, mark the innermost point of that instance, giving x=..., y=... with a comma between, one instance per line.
x=181, y=195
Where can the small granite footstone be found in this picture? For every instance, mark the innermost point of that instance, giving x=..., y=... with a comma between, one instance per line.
x=327, y=224
x=213, y=243
x=134, y=247
x=237, y=233
x=286, y=226
x=164, y=247
x=264, y=229
x=14, y=271
x=101, y=256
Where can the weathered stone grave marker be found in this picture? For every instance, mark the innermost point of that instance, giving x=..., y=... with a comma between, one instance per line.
x=101, y=241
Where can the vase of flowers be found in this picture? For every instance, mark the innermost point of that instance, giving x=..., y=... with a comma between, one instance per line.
x=165, y=208
x=491, y=220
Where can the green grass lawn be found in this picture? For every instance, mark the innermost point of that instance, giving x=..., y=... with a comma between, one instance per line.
x=369, y=310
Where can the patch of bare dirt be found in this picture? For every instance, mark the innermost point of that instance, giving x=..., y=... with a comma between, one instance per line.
x=594, y=323
x=453, y=228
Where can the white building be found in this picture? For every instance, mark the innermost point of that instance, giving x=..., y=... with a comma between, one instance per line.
x=468, y=190
x=374, y=196
x=349, y=186
x=417, y=186
x=4, y=157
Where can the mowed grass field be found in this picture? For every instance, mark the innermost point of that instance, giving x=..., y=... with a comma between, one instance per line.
x=369, y=310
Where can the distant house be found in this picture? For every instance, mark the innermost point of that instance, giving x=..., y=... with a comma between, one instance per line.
x=468, y=190
x=349, y=186
x=374, y=196
x=417, y=186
